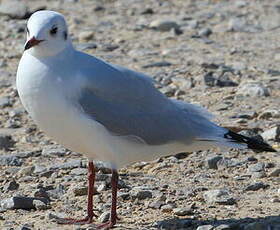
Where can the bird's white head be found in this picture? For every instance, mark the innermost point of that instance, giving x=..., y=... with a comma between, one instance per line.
x=47, y=34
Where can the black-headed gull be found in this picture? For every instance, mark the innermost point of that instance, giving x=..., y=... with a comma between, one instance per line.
x=105, y=111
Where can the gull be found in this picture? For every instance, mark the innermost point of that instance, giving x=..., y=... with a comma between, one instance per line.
x=105, y=111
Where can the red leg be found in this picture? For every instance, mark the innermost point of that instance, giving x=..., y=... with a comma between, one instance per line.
x=113, y=217
x=90, y=214
x=91, y=179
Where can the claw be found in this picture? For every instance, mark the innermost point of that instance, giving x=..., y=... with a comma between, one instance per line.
x=107, y=225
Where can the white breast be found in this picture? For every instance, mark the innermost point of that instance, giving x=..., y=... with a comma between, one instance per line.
x=45, y=97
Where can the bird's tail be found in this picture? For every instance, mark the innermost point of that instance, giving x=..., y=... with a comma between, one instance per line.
x=251, y=143
x=209, y=134
x=227, y=138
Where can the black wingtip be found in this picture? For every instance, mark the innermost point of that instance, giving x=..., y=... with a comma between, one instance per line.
x=252, y=143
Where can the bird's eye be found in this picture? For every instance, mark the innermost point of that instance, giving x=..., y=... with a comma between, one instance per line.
x=53, y=31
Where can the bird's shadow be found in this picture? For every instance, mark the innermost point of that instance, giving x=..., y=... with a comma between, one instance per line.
x=263, y=223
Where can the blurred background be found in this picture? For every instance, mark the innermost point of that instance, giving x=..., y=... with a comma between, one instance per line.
x=220, y=54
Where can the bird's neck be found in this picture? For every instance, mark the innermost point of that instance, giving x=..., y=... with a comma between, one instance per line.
x=66, y=52
x=46, y=53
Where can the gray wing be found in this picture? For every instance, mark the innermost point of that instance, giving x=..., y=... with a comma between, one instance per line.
x=127, y=104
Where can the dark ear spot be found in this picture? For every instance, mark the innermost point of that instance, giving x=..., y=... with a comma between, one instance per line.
x=65, y=35
x=53, y=31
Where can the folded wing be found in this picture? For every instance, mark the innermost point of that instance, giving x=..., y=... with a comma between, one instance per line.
x=128, y=104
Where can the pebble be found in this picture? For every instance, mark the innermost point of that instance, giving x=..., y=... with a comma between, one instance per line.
x=275, y=200
x=183, y=84
x=57, y=192
x=80, y=190
x=99, y=8
x=11, y=186
x=258, y=167
x=147, y=11
x=167, y=207
x=39, y=169
x=253, y=89
x=26, y=171
x=104, y=217
x=79, y=171
x=224, y=227
x=140, y=194
x=227, y=163
x=26, y=179
x=205, y=227
x=102, y=187
x=67, y=165
x=103, y=167
x=211, y=80
x=109, y=47
x=272, y=134
x=4, y=83
x=15, y=9
x=122, y=195
x=157, y=64
x=256, y=186
x=157, y=204
x=168, y=91
x=219, y=196
x=173, y=224
x=193, y=24
x=40, y=205
x=277, y=57
x=10, y=160
x=86, y=46
x=225, y=81
x=17, y=202
x=42, y=192
x=16, y=112
x=6, y=141
x=164, y=25
x=26, y=227
x=238, y=66
x=204, y=32
x=252, y=159
x=54, y=217
x=51, y=151
x=211, y=161
x=269, y=113
x=183, y=211
x=246, y=115
x=275, y=173
x=103, y=178
x=5, y=102
x=269, y=165
x=86, y=36
x=272, y=72
x=240, y=3
x=237, y=25
x=12, y=170
x=47, y=173
x=258, y=175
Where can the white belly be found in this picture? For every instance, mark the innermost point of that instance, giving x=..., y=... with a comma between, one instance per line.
x=46, y=98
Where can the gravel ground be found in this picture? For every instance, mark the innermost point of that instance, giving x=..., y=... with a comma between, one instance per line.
x=220, y=54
